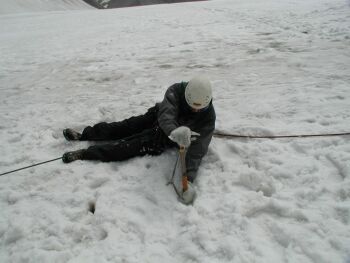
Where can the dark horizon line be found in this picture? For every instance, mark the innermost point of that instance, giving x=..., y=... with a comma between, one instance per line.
x=134, y=3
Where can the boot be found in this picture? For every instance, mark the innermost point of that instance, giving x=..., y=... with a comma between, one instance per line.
x=69, y=157
x=71, y=135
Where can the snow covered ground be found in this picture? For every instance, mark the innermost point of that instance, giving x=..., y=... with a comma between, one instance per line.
x=26, y=6
x=278, y=67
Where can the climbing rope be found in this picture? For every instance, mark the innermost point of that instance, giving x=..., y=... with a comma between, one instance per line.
x=232, y=136
x=31, y=166
x=218, y=134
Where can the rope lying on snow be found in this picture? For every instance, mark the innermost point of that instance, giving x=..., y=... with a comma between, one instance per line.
x=232, y=136
x=219, y=134
x=31, y=166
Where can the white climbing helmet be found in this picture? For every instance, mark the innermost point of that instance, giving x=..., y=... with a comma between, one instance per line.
x=198, y=93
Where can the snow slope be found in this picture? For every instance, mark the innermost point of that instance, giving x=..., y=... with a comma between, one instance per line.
x=278, y=67
x=24, y=6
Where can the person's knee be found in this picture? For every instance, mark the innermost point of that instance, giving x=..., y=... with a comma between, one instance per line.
x=101, y=125
x=191, y=176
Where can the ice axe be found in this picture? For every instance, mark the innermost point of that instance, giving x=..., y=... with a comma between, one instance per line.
x=179, y=180
x=183, y=188
x=188, y=193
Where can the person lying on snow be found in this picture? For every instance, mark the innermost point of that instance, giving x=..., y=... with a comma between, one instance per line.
x=186, y=117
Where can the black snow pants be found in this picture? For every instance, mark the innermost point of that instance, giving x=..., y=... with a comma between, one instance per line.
x=136, y=136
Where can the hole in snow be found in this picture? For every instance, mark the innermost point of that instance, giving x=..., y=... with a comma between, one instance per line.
x=92, y=207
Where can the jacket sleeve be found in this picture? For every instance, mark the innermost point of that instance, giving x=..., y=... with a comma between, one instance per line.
x=168, y=111
x=197, y=150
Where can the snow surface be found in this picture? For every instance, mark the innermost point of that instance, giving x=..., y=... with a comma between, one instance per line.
x=278, y=67
x=21, y=6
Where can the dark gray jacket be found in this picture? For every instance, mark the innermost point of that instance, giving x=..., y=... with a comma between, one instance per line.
x=175, y=112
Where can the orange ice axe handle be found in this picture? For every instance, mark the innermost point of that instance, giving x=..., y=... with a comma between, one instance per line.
x=183, y=169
